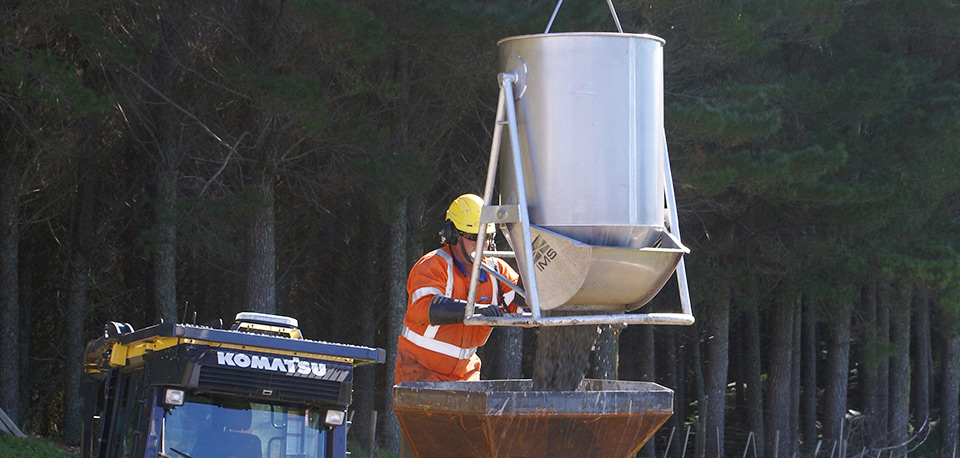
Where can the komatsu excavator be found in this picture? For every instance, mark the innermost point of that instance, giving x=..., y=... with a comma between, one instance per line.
x=255, y=390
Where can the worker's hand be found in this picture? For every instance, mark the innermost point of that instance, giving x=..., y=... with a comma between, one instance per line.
x=488, y=310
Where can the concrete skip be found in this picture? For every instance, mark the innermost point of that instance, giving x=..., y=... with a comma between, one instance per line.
x=504, y=418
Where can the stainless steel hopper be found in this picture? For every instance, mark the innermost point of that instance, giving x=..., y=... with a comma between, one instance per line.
x=586, y=195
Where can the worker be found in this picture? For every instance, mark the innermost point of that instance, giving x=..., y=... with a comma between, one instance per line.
x=434, y=344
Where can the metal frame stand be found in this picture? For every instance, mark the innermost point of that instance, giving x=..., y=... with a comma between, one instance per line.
x=492, y=214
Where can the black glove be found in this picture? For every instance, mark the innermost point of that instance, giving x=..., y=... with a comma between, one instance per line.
x=444, y=310
x=488, y=310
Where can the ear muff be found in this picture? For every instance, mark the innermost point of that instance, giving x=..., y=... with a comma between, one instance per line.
x=449, y=234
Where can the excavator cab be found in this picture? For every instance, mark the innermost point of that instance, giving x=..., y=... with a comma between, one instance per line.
x=254, y=391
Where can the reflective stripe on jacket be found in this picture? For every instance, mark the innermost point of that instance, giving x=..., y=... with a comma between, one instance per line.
x=446, y=352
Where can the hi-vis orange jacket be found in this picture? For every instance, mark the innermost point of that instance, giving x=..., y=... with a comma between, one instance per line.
x=428, y=353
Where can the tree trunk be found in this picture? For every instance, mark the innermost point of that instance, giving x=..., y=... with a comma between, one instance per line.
x=753, y=373
x=647, y=362
x=397, y=304
x=837, y=376
x=261, y=256
x=509, y=352
x=163, y=68
x=950, y=397
x=400, y=255
x=76, y=314
x=717, y=351
x=900, y=366
x=415, y=226
x=9, y=292
x=737, y=360
x=28, y=317
x=777, y=428
x=364, y=382
x=795, y=380
x=869, y=364
x=672, y=364
x=165, y=257
x=922, y=362
x=884, y=299
x=83, y=243
x=808, y=374
x=647, y=359
x=700, y=393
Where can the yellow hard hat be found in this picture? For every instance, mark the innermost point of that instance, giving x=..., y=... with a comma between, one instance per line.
x=464, y=213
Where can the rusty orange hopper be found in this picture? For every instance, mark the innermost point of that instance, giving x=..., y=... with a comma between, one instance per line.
x=504, y=418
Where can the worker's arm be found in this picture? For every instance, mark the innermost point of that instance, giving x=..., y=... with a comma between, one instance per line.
x=428, y=305
x=427, y=279
x=444, y=310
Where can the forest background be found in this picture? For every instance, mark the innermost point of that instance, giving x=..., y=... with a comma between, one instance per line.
x=161, y=158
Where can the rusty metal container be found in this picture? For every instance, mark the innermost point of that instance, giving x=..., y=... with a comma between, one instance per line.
x=504, y=418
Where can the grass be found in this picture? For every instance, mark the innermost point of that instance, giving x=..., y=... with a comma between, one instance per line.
x=13, y=446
